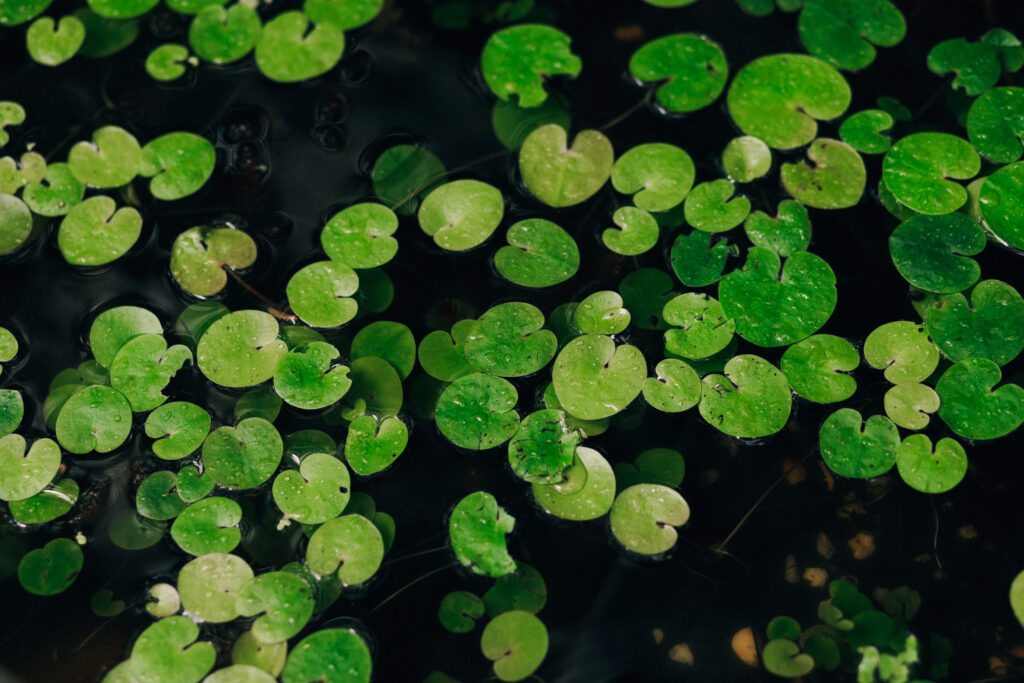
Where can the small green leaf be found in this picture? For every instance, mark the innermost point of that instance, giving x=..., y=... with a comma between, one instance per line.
x=994, y=126
x=96, y=418
x=459, y=611
x=350, y=546
x=638, y=232
x=289, y=50
x=644, y=516
x=917, y=170
x=284, y=600
x=361, y=235
x=320, y=293
x=699, y=326
x=167, y=62
x=178, y=163
x=711, y=206
x=544, y=448
x=331, y=649
x=910, y=405
x=110, y=160
x=208, y=526
x=394, y=342
x=52, y=43
x=23, y=475
x=863, y=131
x=698, y=259
x=223, y=36
x=51, y=569
x=601, y=313
x=972, y=406
x=241, y=349
x=989, y=325
x=816, y=368
x=508, y=341
x=541, y=254
x=15, y=223
x=404, y=172
x=516, y=642
x=594, y=378
x=658, y=175
x=477, y=411
x=317, y=492
x=783, y=658
x=560, y=175
x=834, y=180
x=56, y=194
x=751, y=400
x=199, y=256
x=1002, y=205
x=373, y=444
x=477, y=528
x=931, y=471
x=856, y=449
x=930, y=252
x=143, y=367
x=94, y=234
x=244, y=456
x=843, y=32
x=517, y=59
x=209, y=587
x=309, y=378
x=692, y=67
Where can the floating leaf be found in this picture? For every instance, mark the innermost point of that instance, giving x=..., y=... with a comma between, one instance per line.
x=918, y=167
x=373, y=444
x=601, y=313
x=590, y=501
x=786, y=234
x=178, y=163
x=477, y=411
x=517, y=59
x=638, y=232
x=103, y=36
x=167, y=62
x=330, y=650
x=110, y=160
x=834, y=180
x=143, y=367
x=711, y=207
x=508, y=341
x=783, y=658
x=752, y=399
x=859, y=449
x=96, y=418
x=52, y=43
x=696, y=260
x=284, y=600
x=644, y=293
x=199, y=256
x=11, y=113
x=863, y=131
x=655, y=466
x=12, y=410
x=643, y=518
x=773, y=308
x=14, y=175
x=394, y=342
x=376, y=384
x=289, y=50
x=223, y=36
x=459, y=611
x=208, y=526
x=843, y=32
x=94, y=234
x=910, y=405
x=404, y=172
x=51, y=569
x=243, y=456
x=52, y=502
x=931, y=252
x=560, y=175
x=477, y=529
x=658, y=175
x=351, y=541
x=308, y=378
x=746, y=158
x=990, y=326
x=972, y=406
x=524, y=589
x=816, y=368
x=594, y=378
x=157, y=498
x=994, y=125
x=56, y=194
x=692, y=66
x=23, y=475
x=1002, y=205
x=977, y=65
x=342, y=15
x=699, y=326
x=903, y=350
x=320, y=293
x=317, y=492
x=516, y=642
x=15, y=223
x=241, y=349
x=209, y=587
x=931, y=471
x=441, y=353
x=461, y=214
x=544, y=448
x=541, y=254
x=780, y=98
x=360, y=235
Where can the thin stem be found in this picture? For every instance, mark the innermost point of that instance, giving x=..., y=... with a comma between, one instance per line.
x=91, y=636
x=430, y=181
x=721, y=546
x=931, y=100
x=635, y=108
x=409, y=585
x=935, y=538
x=272, y=306
x=412, y=555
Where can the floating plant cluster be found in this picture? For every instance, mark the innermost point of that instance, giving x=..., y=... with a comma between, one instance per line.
x=951, y=195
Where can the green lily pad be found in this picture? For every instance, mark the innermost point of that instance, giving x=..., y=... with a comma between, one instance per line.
x=864, y=131
x=208, y=526
x=910, y=405
x=780, y=98
x=990, y=325
x=243, y=456
x=394, y=342
x=56, y=194
x=269, y=657
x=692, y=67
x=94, y=234
x=289, y=50
x=930, y=252
x=461, y=214
x=834, y=180
x=592, y=500
x=931, y=471
x=103, y=603
x=783, y=658
x=816, y=368
x=375, y=386
x=477, y=528
x=241, y=349
x=54, y=501
x=122, y=9
x=96, y=418
x=773, y=308
x=340, y=652
x=477, y=411
x=858, y=449
x=193, y=485
x=638, y=232
x=1017, y=597
x=441, y=354
x=342, y=15
x=698, y=259
x=977, y=66
x=8, y=345
x=361, y=235
x=12, y=410
x=644, y=516
x=746, y=158
x=918, y=168
x=972, y=406
x=844, y=32
x=655, y=466
x=516, y=642
x=51, y=569
x=317, y=492
x=178, y=163
x=560, y=175
x=11, y=113
x=103, y=36
x=404, y=172
x=15, y=223
x=320, y=294
x=110, y=160
x=308, y=378
x=209, y=586
x=23, y=475
x=373, y=444
x=224, y=35
x=143, y=367
x=544, y=448
x=200, y=255
x=131, y=531
x=508, y=341
x=594, y=378
x=699, y=326
x=459, y=611
x=711, y=206
x=13, y=13
x=14, y=175
x=601, y=313
x=658, y=175
x=167, y=62
x=349, y=546
x=1002, y=205
x=262, y=402
x=903, y=350
x=284, y=600
x=52, y=43
x=994, y=125
x=751, y=400
x=541, y=254
x=644, y=293
x=524, y=590
x=157, y=498
x=517, y=59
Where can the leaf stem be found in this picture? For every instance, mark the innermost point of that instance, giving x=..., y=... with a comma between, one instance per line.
x=273, y=308
x=417, y=554
x=409, y=585
x=635, y=108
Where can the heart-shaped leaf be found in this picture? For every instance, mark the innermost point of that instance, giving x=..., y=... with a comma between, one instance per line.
x=594, y=378
x=115, y=327
x=477, y=411
x=23, y=475
x=698, y=259
x=441, y=354
x=1002, y=204
x=816, y=368
x=699, y=326
x=692, y=68
x=863, y=131
x=110, y=160
x=461, y=214
x=834, y=180
x=317, y=492
x=284, y=600
x=307, y=377
x=508, y=341
x=244, y=456
x=179, y=429
x=658, y=175
x=94, y=234
x=57, y=193
x=711, y=207
x=560, y=175
x=289, y=50
x=843, y=32
x=332, y=649
x=404, y=172
x=643, y=518
x=858, y=449
x=477, y=528
x=516, y=642
x=52, y=43
x=752, y=399
x=351, y=541
x=167, y=62
x=517, y=59
x=638, y=232
x=143, y=367
x=208, y=526
x=910, y=405
x=918, y=168
x=783, y=658
x=320, y=293
x=200, y=254
x=209, y=587
x=931, y=252
x=51, y=569
x=223, y=36
x=590, y=501
x=179, y=164
x=746, y=158
x=990, y=326
x=96, y=418
x=544, y=448
x=360, y=235
x=241, y=349
x=459, y=611
x=541, y=254
x=972, y=406
x=931, y=471
x=372, y=445
x=994, y=125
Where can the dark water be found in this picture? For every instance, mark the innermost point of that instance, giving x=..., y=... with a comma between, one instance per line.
x=404, y=80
